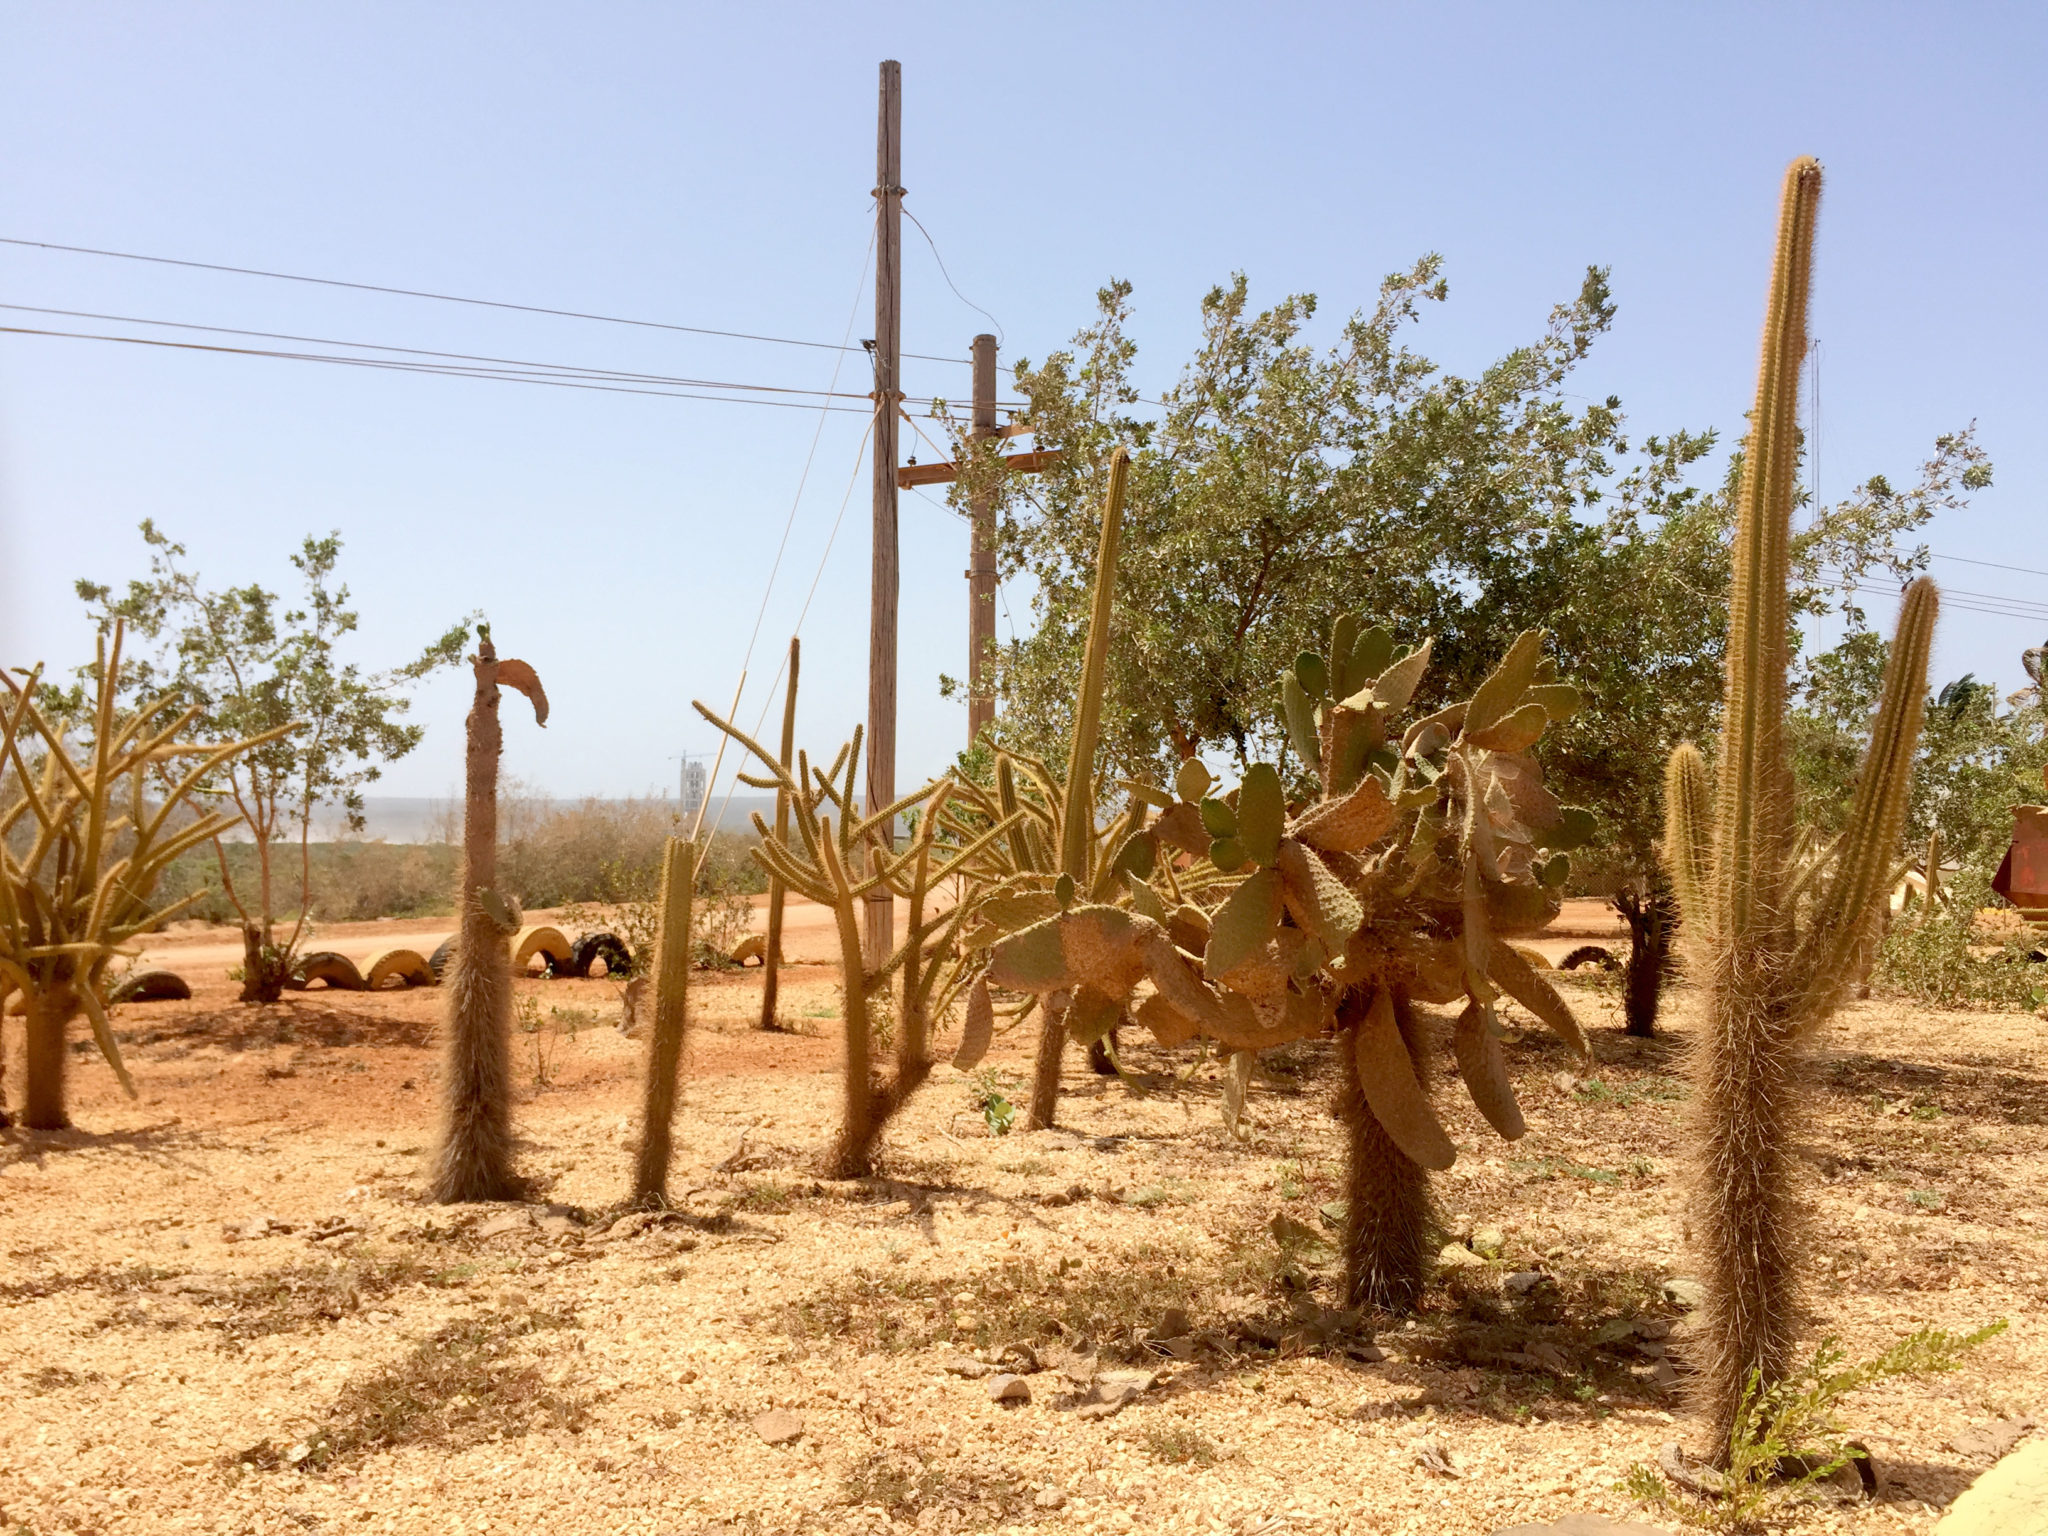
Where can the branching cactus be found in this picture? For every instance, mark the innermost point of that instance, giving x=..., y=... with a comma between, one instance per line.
x=837, y=858
x=474, y=1158
x=1399, y=884
x=1056, y=840
x=77, y=875
x=1779, y=935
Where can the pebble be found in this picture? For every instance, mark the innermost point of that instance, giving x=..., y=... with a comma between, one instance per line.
x=1007, y=1388
x=778, y=1426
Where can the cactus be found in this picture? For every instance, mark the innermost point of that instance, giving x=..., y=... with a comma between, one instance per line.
x=679, y=860
x=1779, y=942
x=826, y=865
x=1398, y=885
x=1054, y=832
x=771, y=951
x=474, y=1158
x=1689, y=835
x=76, y=875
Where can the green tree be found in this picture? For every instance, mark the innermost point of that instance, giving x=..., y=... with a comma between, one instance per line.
x=1280, y=485
x=250, y=663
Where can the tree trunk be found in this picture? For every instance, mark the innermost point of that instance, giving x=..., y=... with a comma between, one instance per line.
x=1651, y=919
x=263, y=969
x=474, y=1160
x=49, y=1012
x=1389, y=1218
x=1045, y=1067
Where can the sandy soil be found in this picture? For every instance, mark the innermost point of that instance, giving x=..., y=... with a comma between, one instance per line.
x=223, y=1308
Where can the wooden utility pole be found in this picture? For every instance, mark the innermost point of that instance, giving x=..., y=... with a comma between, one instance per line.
x=879, y=935
x=981, y=560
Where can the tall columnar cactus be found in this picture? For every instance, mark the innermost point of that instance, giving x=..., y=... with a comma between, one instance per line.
x=838, y=858
x=474, y=1158
x=1398, y=885
x=679, y=861
x=77, y=874
x=1779, y=943
x=771, y=954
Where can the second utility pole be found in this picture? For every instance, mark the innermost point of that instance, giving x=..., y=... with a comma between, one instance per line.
x=879, y=920
x=981, y=558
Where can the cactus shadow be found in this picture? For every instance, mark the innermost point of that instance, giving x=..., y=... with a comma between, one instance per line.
x=163, y=1143
x=301, y=1019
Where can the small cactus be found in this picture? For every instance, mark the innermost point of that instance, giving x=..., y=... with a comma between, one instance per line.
x=679, y=861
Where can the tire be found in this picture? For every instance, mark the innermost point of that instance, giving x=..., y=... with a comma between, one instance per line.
x=1589, y=954
x=439, y=960
x=337, y=970
x=593, y=947
x=543, y=940
x=152, y=987
x=408, y=967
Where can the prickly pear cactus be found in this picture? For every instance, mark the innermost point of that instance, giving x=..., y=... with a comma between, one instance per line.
x=1244, y=920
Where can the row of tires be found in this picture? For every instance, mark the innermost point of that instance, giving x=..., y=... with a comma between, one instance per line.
x=401, y=968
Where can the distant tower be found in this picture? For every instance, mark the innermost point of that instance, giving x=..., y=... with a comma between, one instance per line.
x=694, y=786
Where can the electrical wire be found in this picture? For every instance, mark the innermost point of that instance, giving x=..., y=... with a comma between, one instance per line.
x=558, y=370
x=768, y=698
x=396, y=365
x=928, y=240
x=1996, y=565
x=452, y=298
x=809, y=458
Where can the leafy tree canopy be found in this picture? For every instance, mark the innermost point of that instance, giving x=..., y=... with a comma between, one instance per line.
x=1278, y=484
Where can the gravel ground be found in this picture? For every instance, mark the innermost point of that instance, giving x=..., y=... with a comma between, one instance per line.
x=224, y=1309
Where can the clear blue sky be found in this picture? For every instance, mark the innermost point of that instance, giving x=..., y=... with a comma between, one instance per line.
x=710, y=165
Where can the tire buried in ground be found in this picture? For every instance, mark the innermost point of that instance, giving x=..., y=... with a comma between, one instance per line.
x=152, y=987
x=332, y=967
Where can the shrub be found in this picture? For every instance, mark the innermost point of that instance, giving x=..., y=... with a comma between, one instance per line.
x=1945, y=962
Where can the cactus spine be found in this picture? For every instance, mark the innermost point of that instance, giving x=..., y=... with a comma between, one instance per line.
x=1077, y=813
x=1773, y=979
x=474, y=1159
x=671, y=1018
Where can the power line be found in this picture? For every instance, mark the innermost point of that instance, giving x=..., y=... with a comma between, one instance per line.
x=1996, y=565
x=804, y=479
x=453, y=298
x=563, y=370
x=928, y=240
x=416, y=360
x=398, y=365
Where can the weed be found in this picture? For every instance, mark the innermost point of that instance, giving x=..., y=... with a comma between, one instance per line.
x=456, y=1389
x=765, y=1197
x=985, y=1093
x=1928, y=1199
x=305, y=1295
x=897, y=1485
x=1788, y=1437
x=1111, y=1303
x=1547, y=1168
x=1180, y=1445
